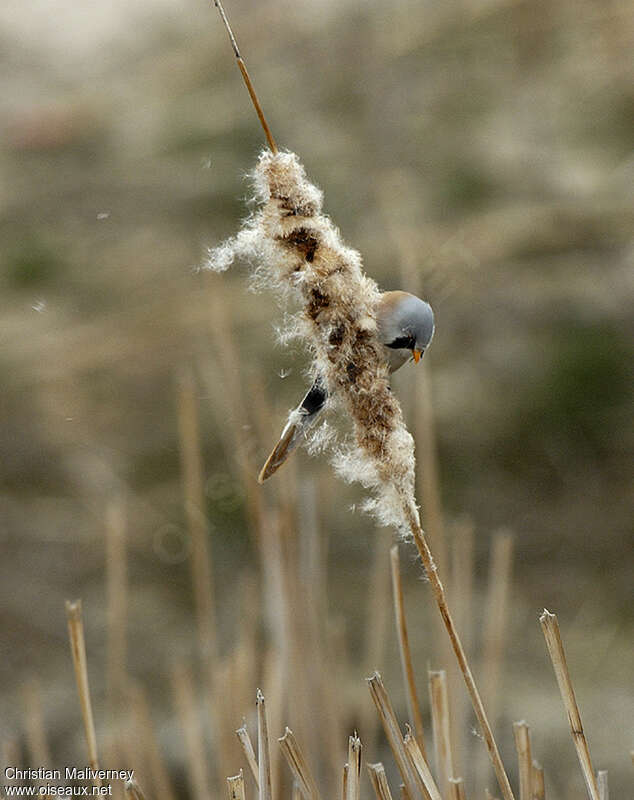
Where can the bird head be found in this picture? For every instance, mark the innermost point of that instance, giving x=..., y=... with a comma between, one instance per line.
x=405, y=323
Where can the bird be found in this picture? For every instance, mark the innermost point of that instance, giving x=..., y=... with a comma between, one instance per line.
x=405, y=327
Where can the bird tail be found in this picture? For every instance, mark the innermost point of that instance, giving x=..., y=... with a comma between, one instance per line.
x=299, y=422
x=290, y=438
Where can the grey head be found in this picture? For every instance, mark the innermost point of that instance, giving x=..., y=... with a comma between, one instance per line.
x=406, y=326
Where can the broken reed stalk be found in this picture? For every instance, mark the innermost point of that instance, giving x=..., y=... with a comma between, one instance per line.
x=456, y=789
x=409, y=680
x=439, y=595
x=522, y=735
x=78, y=651
x=264, y=755
x=602, y=781
x=353, y=787
x=235, y=787
x=298, y=765
x=411, y=779
x=344, y=782
x=439, y=702
x=247, y=79
x=421, y=765
x=378, y=779
x=550, y=628
x=194, y=503
x=187, y=710
x=537, y=781
x=133, y=790
x=249, y=753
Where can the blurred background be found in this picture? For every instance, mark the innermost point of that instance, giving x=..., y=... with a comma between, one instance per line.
x=476, y=151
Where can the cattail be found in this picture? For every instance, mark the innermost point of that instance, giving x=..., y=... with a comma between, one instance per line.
x=295, y=249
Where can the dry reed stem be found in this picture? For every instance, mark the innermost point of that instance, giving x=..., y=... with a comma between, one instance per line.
x=439, y=702
x=461, y=593
x=488, y=794
x=353, y=788
x=187, y=710
x=537, y=782
x=496, y=607
x=421, y=765
x=439, y=595
x=411, y=694
x=264, y=756
x=299, y=767
x=158, y=773
x=133, y=790
x=235, y=787
x=116, y=603
x=296, y=792
x=36, y=741
x=378, y=779
x=521, y=733
x=411, y=779
x=78, y=651
x=249, y=754
x=456, y=789
x=344, y=782
x=247, y=79
x=602, y=782
x=550, y=627
x=377, y=629
x=194, y=503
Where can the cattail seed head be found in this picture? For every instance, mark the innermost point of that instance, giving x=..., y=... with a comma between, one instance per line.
x=295, y=249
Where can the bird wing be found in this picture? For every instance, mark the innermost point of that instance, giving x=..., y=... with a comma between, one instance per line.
x=300, y=420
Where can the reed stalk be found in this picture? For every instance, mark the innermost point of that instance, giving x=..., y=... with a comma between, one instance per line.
x=378, y=779
x=521, y=733
x=298, y=765
x=537, y=782
x=194, y=504
x=249, y=754
x=353, y=787
x=235, y=787
x=133, y=790
x=456, y=789
x=264, y=757
x=78, y=651
x=439, y=702
x=116, y=602
x=411, y=779
x=602, y=782
x=411, y=694
x=421, y=765
x=550, y=628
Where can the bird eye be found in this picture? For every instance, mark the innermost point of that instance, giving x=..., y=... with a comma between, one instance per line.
x=403, y=342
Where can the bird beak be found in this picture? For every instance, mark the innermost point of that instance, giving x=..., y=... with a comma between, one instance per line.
x=417, y=354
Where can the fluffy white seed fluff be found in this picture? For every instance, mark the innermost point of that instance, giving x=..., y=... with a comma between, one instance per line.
x=294, y=248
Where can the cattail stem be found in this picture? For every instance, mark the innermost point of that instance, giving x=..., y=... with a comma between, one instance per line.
x=421, y=765
x=247, y=79
x=439, y=595
x=439, y=701
x=550, y=627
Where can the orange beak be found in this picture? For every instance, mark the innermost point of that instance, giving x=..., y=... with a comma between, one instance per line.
x=417, y=354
